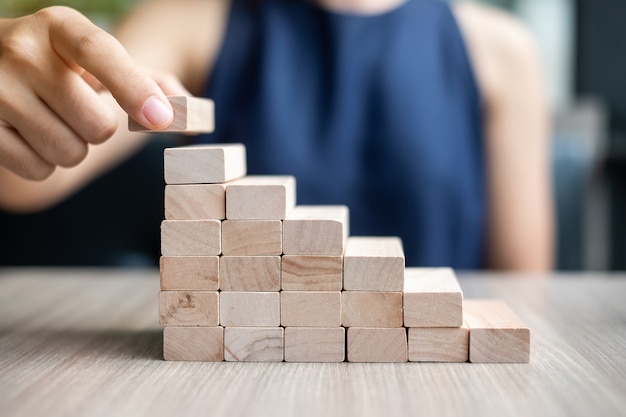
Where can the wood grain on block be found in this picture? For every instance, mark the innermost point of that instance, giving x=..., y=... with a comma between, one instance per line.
x=438, y=344
x=371, y=309
x=253, y=344
x=312, y=273
x=310, y=308
x=188, y=308
x=376, y=344
x=191, y=237
x=191, y=114
x=315, y=344
x=316, y=230
x=189, y=272
x=204, y=164
x=202, y=344
x=373, y=264
x=260, y=198
x=254, y=309
x=250, y=273
x=195, y=201
x=432, y=298
x=252, y=237
x=497, y=334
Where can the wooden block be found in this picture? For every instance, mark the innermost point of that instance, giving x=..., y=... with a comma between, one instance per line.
x=376, y=344
x=312, y=273
x=195, y=202
x=252, y=237
x=191, y=237
x=310, y=308
x=249, y=309
x=253, y=344
x=371, y=309
x=438, y=344
x=250, y=273
x=191, y=114
x=204, y=344
x=315, y=344
x=190, y=273
x=316, y=230
x=260, y=198
x=188, y=308
x=204, y=164
x=497, y=334
x=373, y=264
x=432, y=298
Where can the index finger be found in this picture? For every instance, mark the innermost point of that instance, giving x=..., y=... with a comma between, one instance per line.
x=79, y=42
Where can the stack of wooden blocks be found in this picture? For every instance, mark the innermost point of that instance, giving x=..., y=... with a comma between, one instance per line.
x=248, y=275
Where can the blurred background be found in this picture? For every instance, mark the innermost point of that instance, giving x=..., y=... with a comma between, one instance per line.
x=586, y=72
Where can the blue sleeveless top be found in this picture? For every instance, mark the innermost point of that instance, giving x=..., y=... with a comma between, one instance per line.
x=377, y=112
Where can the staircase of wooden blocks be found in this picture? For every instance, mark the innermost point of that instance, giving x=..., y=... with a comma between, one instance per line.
x=248, y=275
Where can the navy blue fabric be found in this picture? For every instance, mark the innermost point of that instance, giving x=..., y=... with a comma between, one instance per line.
x=380, y=113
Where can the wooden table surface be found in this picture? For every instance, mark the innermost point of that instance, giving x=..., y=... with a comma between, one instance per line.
x=87, y=343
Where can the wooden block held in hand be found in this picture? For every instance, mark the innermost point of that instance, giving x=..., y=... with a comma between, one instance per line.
x=316, y=230
x=202, y=344
x=373, y=264
x=191, y=114
x=253, y=344
x=497, y=334
x=195, y=202
x=371, y=309
x=189, y=273
x=252, y=237
x=432, y=298
x=260, y=197
x=312, y=273
x=249, y=309
x=191, y=237
x=188, y=308
x=377, y=344
x=315, y=344
x=310, y=308
x=250, y=273
x=204, y=164
x=438, y=344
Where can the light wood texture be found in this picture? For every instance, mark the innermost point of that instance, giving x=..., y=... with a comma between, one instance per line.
x=253, y=344
x=190, y=273
x=312, y=273
x=87, y=343
x=250, y=273
x=432, y=298
x=191, y=115
x=310, y=308
x=438, y=344
x=497, y=334
x=371, y=309
x=188, y=308
x=204, y=164
x=203, y=344
x=315, y=344
x=373, y=264
x=191, y=237
x=249, y=309
x=260, y=197
x=376, y=344
x=252, y=237
x=195, y=202
x=316, y=230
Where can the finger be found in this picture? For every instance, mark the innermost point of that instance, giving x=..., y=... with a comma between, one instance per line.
x=78, y=41
x=20, y=158
x=170, y=85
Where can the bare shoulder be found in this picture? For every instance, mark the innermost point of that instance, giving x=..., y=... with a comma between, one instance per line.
x=499, y=45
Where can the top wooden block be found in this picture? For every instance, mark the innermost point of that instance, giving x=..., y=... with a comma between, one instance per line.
x=259, y=197
x=373, y=264
x=191, y=114
x=432, y=298
x=316, y=230
x=204, y=164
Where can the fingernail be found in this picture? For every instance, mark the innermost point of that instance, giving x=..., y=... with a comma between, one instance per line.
x=157, y=112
